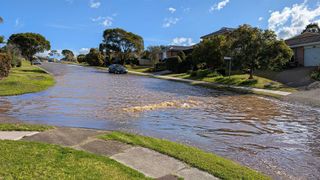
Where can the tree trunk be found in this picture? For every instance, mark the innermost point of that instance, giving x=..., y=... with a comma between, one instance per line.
x=251, y=73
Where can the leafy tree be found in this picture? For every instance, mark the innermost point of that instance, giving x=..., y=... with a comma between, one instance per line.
x=211, y=51
x=121, y=43
x=313, y=27
x=81, y=58
x=54, y=53
x=68, y=54
x=258, y=49
x=94, y=58
x=153, y=52
x=173, y=64
x=29, y=44
x=1, y=37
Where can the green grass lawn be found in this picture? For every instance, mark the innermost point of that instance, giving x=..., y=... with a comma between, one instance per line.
x=30, y=160
x=23, y=127
x=25, y=79
x=215, y=165
x=239, y=80
x=143, y=69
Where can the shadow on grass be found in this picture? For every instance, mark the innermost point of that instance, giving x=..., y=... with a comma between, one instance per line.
x=33, y=71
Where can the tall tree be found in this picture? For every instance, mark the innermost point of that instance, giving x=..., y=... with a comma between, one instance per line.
x=211, y=51
x=313, y=27
x=258, y=49
x=68, y=54
x=154, y=54
x=122, y=43
x=1, y=37
x=29, y=44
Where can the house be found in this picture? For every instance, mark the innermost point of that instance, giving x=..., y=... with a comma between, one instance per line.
x=306, y=49
x=172, y=51
x=222, y=31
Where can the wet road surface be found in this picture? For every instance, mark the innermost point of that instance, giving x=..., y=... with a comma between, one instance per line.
x=275, y=137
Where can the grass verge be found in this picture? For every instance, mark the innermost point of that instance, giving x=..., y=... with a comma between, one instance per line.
x=213, y=164
x=25, y=79
x=142, y=69
x=23, y=127
x=30, y=160
x=239, y=80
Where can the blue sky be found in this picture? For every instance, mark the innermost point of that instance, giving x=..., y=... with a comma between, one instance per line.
x=78, y=24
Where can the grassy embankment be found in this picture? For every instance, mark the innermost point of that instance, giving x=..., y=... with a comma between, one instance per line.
x=30, y=160
x=25, y=79
x=236, y=79
x=213, y=164
x=23, y=127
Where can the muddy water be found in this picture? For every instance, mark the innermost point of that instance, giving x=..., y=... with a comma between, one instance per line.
x=280, y=139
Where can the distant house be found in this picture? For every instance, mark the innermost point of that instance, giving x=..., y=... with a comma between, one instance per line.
x=222, y=31
x=306, y=49
x=172, y=51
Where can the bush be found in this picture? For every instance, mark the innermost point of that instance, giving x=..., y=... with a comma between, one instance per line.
x=316, y=74
x=16, y=61
x=160, y=67
x=173, y=64
x=94, y=58
x=5, y=65
x=81, y=58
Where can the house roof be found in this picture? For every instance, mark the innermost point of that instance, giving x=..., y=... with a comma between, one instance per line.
x=179, y=48
x=305, y=38
x=222, y=31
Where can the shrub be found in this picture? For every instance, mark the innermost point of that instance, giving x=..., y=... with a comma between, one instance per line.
x=161, y=66
x=81, y=58
x=316, y=74
x=94, y=58
x=5, y=65
x=173, y=63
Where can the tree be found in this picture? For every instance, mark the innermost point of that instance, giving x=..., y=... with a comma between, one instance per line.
x=211, y=51
x=81, y=58
x=121, y=43
x=29, y=44
x=94, y=58
x=258, y=49
x=153, y=52
x=1, y=37
x=68, y=54
x=313, y=27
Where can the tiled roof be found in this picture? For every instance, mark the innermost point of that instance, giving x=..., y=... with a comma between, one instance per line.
x=304, y=38
x=222, y=31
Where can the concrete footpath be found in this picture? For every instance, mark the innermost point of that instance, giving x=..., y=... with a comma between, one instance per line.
x=215, y=85
x=146, y=161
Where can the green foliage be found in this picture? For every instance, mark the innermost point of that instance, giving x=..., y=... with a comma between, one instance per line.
x=254, y=49
x=211, y=51
x=81, y=58
x=94, y=58
x=316, y=74
x=15, y=54
x=121, y=43
x=182, y=55
x=204, y=73
x=1, y=39
x=313, y=27
x=5, y=64
x=173, y=64
x=29, y=44
x=153, y=53
x=213, y=164
x=68, y=55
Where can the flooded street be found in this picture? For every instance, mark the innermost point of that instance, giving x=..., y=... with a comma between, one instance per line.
x=275, y=137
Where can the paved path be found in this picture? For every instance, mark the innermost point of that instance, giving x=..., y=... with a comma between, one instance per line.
x=15, y=135
x=216, y=85
x=146, y=161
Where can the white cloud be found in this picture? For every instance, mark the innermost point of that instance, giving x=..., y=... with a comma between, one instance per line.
x=172, y=10
x=94, y=4
x=104, y=21
x=292, y=20
x=84, y=50
x=182, y=41
x=260, y=18
x=169, y=22
x=219, y=6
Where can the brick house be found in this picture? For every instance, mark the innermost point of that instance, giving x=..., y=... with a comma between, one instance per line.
x=306, y=49
x=222, y=31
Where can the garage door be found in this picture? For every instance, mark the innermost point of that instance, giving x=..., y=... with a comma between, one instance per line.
x=312, y=56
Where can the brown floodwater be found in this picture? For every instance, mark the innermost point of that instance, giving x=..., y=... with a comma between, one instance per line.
x=272, y=136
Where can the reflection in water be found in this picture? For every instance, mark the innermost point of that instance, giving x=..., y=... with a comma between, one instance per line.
x=277, y=138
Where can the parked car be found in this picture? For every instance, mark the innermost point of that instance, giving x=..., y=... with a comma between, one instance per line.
x=117, y=69
x=36, y=62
